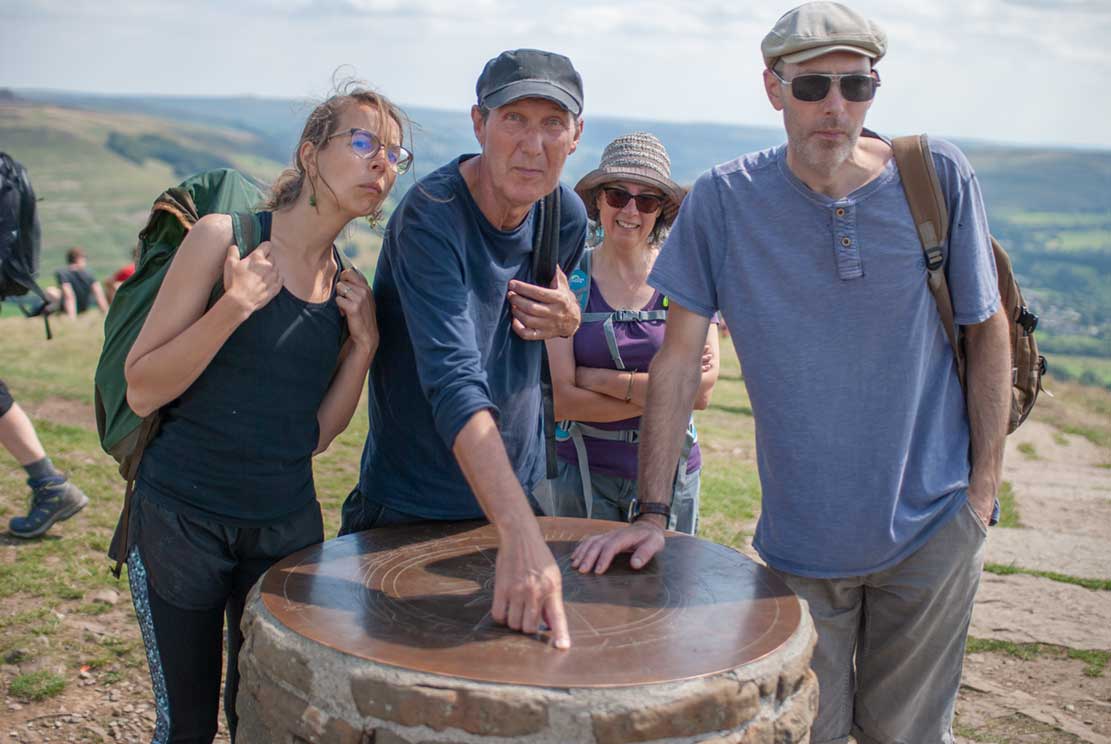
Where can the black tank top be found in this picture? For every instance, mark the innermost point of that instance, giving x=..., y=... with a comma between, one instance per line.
x=237, y=445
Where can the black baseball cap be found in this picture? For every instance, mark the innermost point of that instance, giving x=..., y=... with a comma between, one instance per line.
x=530, y=73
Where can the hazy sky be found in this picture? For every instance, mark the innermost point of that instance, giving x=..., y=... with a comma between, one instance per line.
x=1011, y=70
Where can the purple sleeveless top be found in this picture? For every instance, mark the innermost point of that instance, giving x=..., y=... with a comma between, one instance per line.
x=638, y=342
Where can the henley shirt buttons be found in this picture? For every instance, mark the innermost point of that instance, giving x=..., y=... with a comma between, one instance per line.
x=840, y=212
x=846, y=242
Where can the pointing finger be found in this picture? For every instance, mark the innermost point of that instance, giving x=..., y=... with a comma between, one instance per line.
x=556, y=619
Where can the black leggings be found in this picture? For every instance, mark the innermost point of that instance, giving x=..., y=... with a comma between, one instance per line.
x=207, y=570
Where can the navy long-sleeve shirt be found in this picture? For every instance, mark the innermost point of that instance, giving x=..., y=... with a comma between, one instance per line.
x=447, y=348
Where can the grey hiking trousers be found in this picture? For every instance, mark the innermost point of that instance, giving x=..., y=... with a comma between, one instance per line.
x=891, y=644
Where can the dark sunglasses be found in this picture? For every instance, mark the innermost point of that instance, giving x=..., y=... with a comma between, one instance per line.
x=813, y=86
x=646, y=203
x=366, y=145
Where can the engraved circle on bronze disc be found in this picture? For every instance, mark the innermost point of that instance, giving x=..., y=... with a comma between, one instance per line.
x=419, y=597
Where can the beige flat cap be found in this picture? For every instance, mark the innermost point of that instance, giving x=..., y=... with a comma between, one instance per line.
x=818, y=28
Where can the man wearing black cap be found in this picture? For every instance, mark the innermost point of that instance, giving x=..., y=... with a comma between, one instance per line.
x=871, y=508
x=455, y=427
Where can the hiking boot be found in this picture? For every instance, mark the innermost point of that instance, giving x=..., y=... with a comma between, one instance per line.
x=55, y=502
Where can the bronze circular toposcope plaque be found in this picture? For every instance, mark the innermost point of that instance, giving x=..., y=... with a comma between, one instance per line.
x=418, y=597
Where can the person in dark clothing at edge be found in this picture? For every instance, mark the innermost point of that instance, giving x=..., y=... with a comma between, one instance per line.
x=53, y=497
x=455, y=427
x=250, y=389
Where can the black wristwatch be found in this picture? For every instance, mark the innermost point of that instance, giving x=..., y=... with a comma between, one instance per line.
x=638, y=508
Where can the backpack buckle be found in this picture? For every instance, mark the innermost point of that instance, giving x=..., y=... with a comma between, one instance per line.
x=625, y=316
x=1027, y=319
x=934, y=258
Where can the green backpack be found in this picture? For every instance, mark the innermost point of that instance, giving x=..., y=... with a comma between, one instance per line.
x=123, y=434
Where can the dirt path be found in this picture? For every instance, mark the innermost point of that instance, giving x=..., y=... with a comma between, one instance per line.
x=63, y=411
x=1062, y=488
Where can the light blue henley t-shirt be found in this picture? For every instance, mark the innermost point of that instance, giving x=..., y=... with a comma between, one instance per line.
x=861, y=432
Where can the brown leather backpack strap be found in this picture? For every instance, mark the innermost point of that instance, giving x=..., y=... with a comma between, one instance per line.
x=931, y=221
x=121, y=540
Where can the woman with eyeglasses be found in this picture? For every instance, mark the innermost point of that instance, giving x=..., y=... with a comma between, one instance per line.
x=250, y=388
x=600, y=375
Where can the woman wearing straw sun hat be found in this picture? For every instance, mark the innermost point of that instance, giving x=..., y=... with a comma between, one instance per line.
x=600, y=375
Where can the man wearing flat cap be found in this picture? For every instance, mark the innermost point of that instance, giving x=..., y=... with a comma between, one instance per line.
x=871, y=509
x=454, y=396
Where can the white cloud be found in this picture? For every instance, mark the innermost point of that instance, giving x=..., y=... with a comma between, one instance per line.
x=1017, y=70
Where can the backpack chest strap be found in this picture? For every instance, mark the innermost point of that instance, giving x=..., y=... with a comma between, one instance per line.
x=620, y=316
x=576, y=431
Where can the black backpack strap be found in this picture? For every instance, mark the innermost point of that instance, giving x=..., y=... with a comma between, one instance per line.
x=43, y=311
x=545, y=246
x=249, y=230
x=545, y=257
x=344, y=263
x=265, y=222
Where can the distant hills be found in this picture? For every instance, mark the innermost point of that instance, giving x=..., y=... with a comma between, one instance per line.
x=100, y=160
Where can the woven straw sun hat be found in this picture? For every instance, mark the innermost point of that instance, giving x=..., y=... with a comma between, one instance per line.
x=639, y=158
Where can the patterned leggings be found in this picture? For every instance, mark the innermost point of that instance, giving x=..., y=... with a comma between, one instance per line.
x=184, y=654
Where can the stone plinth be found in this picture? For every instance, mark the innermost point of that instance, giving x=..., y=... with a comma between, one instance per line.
x=373, y=638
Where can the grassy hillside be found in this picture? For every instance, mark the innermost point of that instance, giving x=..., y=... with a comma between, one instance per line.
x=439, y=135
x=1048, y=206
x=92, y=195
x=96, y=174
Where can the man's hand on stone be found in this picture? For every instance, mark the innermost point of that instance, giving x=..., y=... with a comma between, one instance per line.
x=528, y=586
x=644, y=538
x=540, y=313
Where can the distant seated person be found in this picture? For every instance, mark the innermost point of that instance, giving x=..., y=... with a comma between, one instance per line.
x=77, y=288
x=117, y=279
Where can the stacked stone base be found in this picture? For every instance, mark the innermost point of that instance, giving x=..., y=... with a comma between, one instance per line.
x=293, y=690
